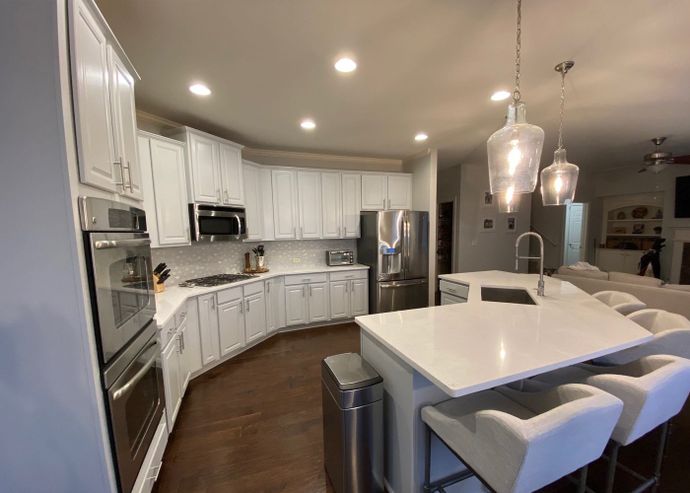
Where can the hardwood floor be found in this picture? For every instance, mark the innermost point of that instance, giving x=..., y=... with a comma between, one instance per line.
x=254, y=424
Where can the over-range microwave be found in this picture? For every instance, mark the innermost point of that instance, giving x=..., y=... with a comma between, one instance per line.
x=217, y=223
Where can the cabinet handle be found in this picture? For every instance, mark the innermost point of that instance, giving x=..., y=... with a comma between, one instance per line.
x=218, y=195
x=129, y=178
x=384, y=203
x=213, y=303
x=294, y=232
x=303, y=294
x=122, y=174
x=301, y=232
x=346, y=285
x=345, y=228
x=311, y=291
x=268, y=288
x=179, y=344
x=248, y=307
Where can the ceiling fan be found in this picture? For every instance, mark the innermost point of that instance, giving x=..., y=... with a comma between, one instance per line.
x=658, y=160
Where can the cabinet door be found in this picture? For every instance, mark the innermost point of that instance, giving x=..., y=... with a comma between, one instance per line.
x=275, y=304
x=124, y=125
x=208, y=329
x=231, y=175
x=331, y=206
x=93, y=121
x=265, y=184
x=191, y=342
x=359, y=297
x=204, y=166
x=296, y=304
x=253, y=203
x=399, y=192
x=340, y=299
x=309, y=183
x=231, y=326
x=172, y=381
x=184, y=367
x=351, y=204
x=284, y=204
x=374, y=192
x=318, y=302
x=170, y=192
x=255, y=314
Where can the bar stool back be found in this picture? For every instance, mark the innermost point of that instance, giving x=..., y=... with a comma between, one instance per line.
x=623, y=303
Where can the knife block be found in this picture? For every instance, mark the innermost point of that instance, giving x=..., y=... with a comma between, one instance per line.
x=157, y=288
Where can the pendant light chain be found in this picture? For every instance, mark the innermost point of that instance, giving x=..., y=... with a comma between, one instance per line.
x=518, y=45
x=560, y=127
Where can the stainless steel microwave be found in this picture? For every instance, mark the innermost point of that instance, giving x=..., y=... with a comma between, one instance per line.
x=217, y=223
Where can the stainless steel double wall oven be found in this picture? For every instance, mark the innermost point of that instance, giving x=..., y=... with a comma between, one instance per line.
x=119, y=268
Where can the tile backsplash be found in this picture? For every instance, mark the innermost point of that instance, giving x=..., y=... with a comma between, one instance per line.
x=205, y=259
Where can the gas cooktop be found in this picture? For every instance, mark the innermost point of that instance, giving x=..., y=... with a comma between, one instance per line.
x=217, y=280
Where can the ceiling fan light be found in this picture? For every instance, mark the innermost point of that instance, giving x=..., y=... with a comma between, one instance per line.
x=658, y=166
x=514, y=152
x=559, y=180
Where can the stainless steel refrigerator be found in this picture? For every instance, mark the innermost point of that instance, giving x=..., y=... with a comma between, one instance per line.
x=395, y=245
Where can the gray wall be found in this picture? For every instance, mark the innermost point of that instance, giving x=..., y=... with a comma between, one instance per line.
x=51, y=425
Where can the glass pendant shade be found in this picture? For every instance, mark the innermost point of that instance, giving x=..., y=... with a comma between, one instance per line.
x=508, y=201
x=514, y=152
x=559, y=180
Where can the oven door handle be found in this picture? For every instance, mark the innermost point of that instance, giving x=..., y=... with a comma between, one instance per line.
x=138, y=376
x=103, y=244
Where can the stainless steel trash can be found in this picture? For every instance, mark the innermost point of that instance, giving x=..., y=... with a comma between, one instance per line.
x=352, y=395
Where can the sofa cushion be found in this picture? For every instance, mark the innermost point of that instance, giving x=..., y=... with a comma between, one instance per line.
x=635, y=279
x=591, y=274
x=678, y=287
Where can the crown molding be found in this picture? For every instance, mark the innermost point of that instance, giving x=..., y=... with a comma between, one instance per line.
x=309, y=159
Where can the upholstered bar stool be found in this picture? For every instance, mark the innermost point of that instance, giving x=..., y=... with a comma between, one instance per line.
x=671, y=336
x=523, y=442
x=623, y=303
x=653, y=390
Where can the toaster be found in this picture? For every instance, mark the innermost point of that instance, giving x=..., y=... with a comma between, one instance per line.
x=340, y=257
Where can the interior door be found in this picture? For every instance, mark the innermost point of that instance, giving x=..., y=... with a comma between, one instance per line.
x=574, y=231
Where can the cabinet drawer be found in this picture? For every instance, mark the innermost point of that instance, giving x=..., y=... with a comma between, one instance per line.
x=228, y=295
x=455, y=289
x=306, y=278
x=346, y=275
x=181, y=315
x=168, y=331
x=148, y=474
x=253, y=288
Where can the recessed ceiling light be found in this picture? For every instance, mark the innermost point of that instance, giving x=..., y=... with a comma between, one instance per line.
x=200, y=89
x=308, y=124
x=500, y=95
x=345, y=65
x=421, y=137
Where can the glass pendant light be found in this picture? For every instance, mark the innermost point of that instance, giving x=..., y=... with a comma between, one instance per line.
x=559, y=180
x=508, y=201
x=514, y=151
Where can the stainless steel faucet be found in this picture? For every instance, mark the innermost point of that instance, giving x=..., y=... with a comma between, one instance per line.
x=540, y=284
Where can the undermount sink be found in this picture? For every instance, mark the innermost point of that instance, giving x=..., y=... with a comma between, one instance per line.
x=507, y=295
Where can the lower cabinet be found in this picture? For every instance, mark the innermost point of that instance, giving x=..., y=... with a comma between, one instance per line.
x=172, y=380
x=255, y=316
x=318, y=302
x=349, y=298
x=296, y=308
x=231, y=320
x=275, y=304
x=151, y=467
x=208, y=329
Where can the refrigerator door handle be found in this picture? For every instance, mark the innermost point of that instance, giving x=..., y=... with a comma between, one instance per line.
x=398, y=284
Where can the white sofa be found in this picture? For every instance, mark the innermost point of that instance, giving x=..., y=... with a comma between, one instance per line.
x=672, y=298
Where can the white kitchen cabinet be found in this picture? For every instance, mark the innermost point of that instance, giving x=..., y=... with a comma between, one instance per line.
x=340, y=299
x=351, y=199
x=191, y=340
x=331, y=205
x=275, y=304
x=399, y=192
x=153, y=461
x=296, y=306
x=255, y=316
x=374, y=192
x=231, y=175
x=253, y=202
x=172, y=381
x=359, y=297
x=208, y=328
x=309, y=193
x=381, y=192
x=204, y=168
x=165, y=193
x=124, y=125
x=318, y=302
x=285, y=205
x=267, y=219
x=231, y=320
x=185, y=374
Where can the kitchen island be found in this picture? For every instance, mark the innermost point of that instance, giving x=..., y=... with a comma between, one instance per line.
x=432, y=354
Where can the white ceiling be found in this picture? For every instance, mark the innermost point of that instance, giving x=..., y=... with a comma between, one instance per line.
x=423, y=65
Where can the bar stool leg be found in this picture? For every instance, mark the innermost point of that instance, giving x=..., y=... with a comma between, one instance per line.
x=660, y=455
x=613, y=463
x=427, y=459
x=582, y=485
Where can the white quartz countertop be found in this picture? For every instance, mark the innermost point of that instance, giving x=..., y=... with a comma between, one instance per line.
x=469, y=347
x=170, y=300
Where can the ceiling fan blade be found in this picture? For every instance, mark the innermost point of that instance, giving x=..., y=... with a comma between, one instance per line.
x=681, y=159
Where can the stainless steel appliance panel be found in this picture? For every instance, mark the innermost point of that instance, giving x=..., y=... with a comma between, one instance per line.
x=135, y=403
x=391, y=248
x=401, y=295
x=210, y=223
x=416, y=245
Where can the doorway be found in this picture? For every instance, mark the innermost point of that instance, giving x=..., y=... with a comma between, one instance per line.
x=444, y=237
x=575, y=233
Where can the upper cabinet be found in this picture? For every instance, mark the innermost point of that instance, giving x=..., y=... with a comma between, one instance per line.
x=165, y=194
x=331, y=205
x=253, y=204
x=309, y=191
x=285, y=204
x=351, y=204
x=214, y=167
x=104, y=109
x=381, y=192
